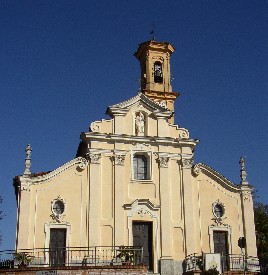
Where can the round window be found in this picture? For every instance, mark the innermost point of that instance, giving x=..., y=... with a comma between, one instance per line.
x=58, y=207
x=218, y=210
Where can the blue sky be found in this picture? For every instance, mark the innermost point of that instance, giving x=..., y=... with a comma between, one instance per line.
x=64, y=62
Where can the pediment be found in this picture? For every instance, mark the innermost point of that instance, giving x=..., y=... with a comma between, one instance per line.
x=140, y=98
x=142, y=207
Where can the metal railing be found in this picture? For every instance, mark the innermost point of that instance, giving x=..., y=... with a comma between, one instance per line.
x=231, y=262
x=72, y=256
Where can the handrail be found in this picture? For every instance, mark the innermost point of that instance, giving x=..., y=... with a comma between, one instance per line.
x=230, y=262
x=72, y=256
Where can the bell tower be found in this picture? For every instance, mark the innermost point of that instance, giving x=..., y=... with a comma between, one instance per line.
x=154, y=60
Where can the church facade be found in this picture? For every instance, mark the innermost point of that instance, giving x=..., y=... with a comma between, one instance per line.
x=134, y=182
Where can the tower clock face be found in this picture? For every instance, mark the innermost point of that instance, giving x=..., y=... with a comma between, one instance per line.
x=58, y=207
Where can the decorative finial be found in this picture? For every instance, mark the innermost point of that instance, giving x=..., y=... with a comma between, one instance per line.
x=28, y=151
x=243, y=173
x=152, y=31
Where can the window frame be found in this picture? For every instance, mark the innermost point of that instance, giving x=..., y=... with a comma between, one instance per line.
x=147, y=155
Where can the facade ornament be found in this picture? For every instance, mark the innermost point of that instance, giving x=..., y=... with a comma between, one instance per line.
x=183, y=133
x=147, y=55
x=187, y=163
x=243, y=173
x=28, y=151
x=141, y=146
x=161, y=104
x=196, y=170
x=83, y=164
x=94, y=158
x=218, y=210
x=139, y=124
x=246, y=194
x=119, y=159
x=160, y=58
x=163, y=161
x=142, y=212
x=25, y=185
x=167, y=56
x=94, y=127
x=58, y=209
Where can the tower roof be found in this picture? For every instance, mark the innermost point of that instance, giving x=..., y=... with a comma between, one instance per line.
x=155, y=46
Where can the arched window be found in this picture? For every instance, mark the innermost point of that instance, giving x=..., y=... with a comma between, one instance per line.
x=158, y=72
x=140, y=164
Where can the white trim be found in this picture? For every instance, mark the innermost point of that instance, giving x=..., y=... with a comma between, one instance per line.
x=224, y=228
x=144, y=210
x=48, y=226
x=81, y=162
x=169, y=141
x=139, y=97
x=227, y=184
x=148, y=155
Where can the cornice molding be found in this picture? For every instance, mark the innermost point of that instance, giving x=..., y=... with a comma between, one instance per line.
x=122, y=107
x=80, y=162
x=201, y=167
x=142, y=202
x=139, y=139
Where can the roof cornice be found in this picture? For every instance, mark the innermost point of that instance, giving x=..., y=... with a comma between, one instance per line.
x=81, y=162
x=94, y=136
x=201, y=167
x=122, y=107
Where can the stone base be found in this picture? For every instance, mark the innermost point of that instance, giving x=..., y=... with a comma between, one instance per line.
x=166, y=266
x=178, y=269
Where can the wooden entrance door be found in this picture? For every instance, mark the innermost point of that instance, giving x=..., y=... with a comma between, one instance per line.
x=57, y=247
x=142, y=236
x=221, y=246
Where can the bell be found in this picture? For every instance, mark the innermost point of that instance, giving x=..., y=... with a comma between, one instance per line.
x=157, y=73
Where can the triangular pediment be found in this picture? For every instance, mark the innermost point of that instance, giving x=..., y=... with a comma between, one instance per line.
x=125, y=106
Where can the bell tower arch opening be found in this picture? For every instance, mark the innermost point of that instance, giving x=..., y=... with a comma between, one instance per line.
x=158, y=72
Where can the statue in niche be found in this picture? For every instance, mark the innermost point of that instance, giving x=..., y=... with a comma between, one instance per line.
x=139, y=123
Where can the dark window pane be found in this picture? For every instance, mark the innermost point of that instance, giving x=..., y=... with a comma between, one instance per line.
x=218, y=210
x=140, y=167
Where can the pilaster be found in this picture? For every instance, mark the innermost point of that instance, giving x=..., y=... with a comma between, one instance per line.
x=119, y=194
x=94, y=198
x=23, y=222
x=248, y=220
x=187, y=184
x=119, y=121
x=165, y=202
x=162, y=124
